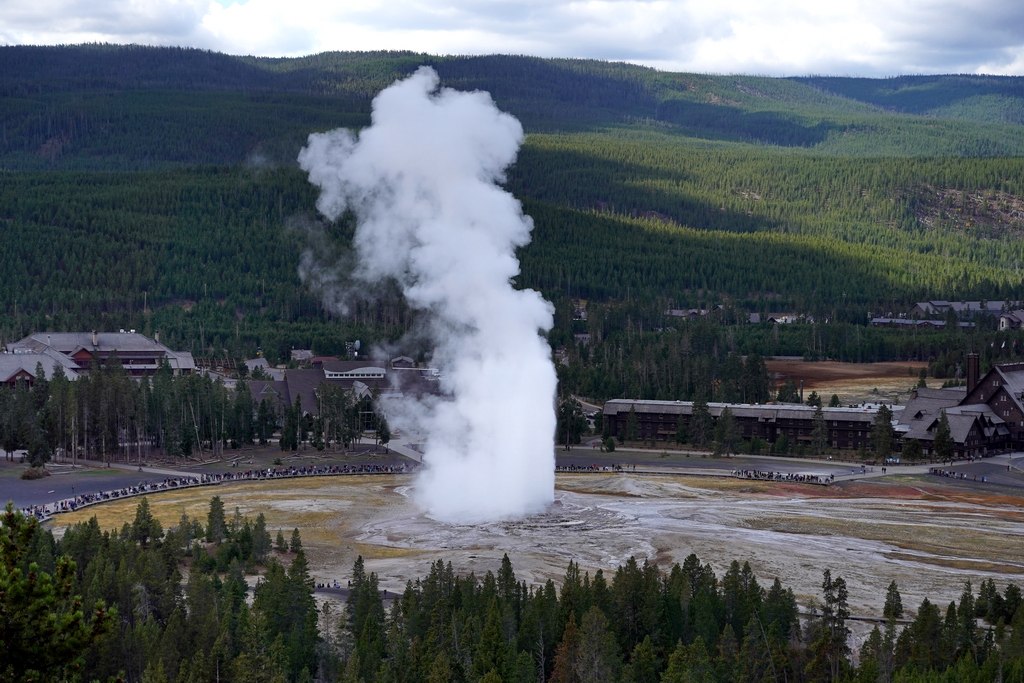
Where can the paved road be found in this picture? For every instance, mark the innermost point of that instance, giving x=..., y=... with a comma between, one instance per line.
x=645, y=459
x=67, y=482
x=995, y=469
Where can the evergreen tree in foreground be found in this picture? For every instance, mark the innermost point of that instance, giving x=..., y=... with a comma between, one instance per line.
x=44, y=630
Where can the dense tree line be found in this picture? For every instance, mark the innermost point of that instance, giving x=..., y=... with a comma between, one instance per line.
x=638, y=624
x=156, y=189
x=213, y=269
x=150, y=623
x=106, y=415
x=928, y=94
x=208, y=259
x=962, y=115
x=631, y=353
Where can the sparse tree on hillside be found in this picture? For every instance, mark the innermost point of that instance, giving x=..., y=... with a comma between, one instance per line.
x=632, y=425
x=280, y=545
x=788, y=392
x=216, y=523
x=829, y=634
x=912, y=451
x=701, y=425
x=819, y=432
x=881, y=433
x=571, y=423
x=943, y=442
x=726, y=433
x=145, y=527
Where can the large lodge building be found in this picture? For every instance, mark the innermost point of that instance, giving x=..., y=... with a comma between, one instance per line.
x=986, y=416
x=76, y=352
x=848, y=428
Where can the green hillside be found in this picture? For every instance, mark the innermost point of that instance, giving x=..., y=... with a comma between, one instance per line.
x=157, y=188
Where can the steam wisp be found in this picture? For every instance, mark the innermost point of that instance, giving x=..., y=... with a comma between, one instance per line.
x=423, y=183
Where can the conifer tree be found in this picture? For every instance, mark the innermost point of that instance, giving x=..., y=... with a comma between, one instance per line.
x=881, y=433
x=700, y=424
x=819, y=432
x=216, y=524
x=943, y=442
x=145, y=527
x=45, y=632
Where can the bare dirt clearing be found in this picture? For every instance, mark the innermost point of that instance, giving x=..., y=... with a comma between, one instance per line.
x=852, y=382
x=928, y=537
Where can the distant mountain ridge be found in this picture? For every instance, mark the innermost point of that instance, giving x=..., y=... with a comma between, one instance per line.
x=75, y=92
x=983, y=99
x=157, y=188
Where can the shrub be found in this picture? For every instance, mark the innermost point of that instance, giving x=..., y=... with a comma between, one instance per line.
x=35, y=473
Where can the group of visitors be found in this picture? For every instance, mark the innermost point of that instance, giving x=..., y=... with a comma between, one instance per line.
x=614, y=467
x=953, y=474
x=798, y=477
x=46, y=510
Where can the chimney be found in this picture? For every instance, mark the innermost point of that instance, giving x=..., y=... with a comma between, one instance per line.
x=94, y=342
x=972, y=371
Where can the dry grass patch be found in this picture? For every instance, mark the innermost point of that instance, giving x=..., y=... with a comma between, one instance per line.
x=944, y=544
x=285, y=503
x=967, y=565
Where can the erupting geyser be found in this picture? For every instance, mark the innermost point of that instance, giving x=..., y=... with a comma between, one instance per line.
x=422, y=182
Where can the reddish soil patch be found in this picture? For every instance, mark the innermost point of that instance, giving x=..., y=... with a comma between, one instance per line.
x=852, y=382
x=884, y=489
x=824, y=373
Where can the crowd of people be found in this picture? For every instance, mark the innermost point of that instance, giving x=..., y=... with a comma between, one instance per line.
x=798, y=477
x=614, y=467
x=953, y=474
x=47, y=510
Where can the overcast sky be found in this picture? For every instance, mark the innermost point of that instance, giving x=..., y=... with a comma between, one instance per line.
x=766, y=37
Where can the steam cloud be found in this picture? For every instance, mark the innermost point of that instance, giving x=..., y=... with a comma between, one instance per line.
x=422, y=182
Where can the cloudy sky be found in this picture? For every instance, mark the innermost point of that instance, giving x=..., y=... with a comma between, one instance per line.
x=770, y=37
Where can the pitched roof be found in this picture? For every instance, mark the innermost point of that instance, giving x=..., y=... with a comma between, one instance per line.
x=131, y=346
x=961, y=419
x=1011, y=379
x=1012, y=375
x=926, y=404
x=13, y=363
x=354, y=365
x=302, y=385
x=960, y=425
x=275, y=391
x=106, y=342
x=1016, y=316
x=253, y=363
x=764, y=412
x=962, y=307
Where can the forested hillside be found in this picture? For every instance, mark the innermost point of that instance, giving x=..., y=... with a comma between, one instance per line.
x=118, y=608
x=156, y=188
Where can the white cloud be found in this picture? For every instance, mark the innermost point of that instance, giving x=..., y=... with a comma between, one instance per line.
x=866, y=37
x=160, y=22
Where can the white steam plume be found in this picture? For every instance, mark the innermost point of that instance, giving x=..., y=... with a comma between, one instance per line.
x=422, y=181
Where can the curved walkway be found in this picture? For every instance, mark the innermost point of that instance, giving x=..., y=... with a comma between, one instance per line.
x=182, y=480
x=762, y=468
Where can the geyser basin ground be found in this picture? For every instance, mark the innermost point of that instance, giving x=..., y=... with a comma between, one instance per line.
x=927, y=536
